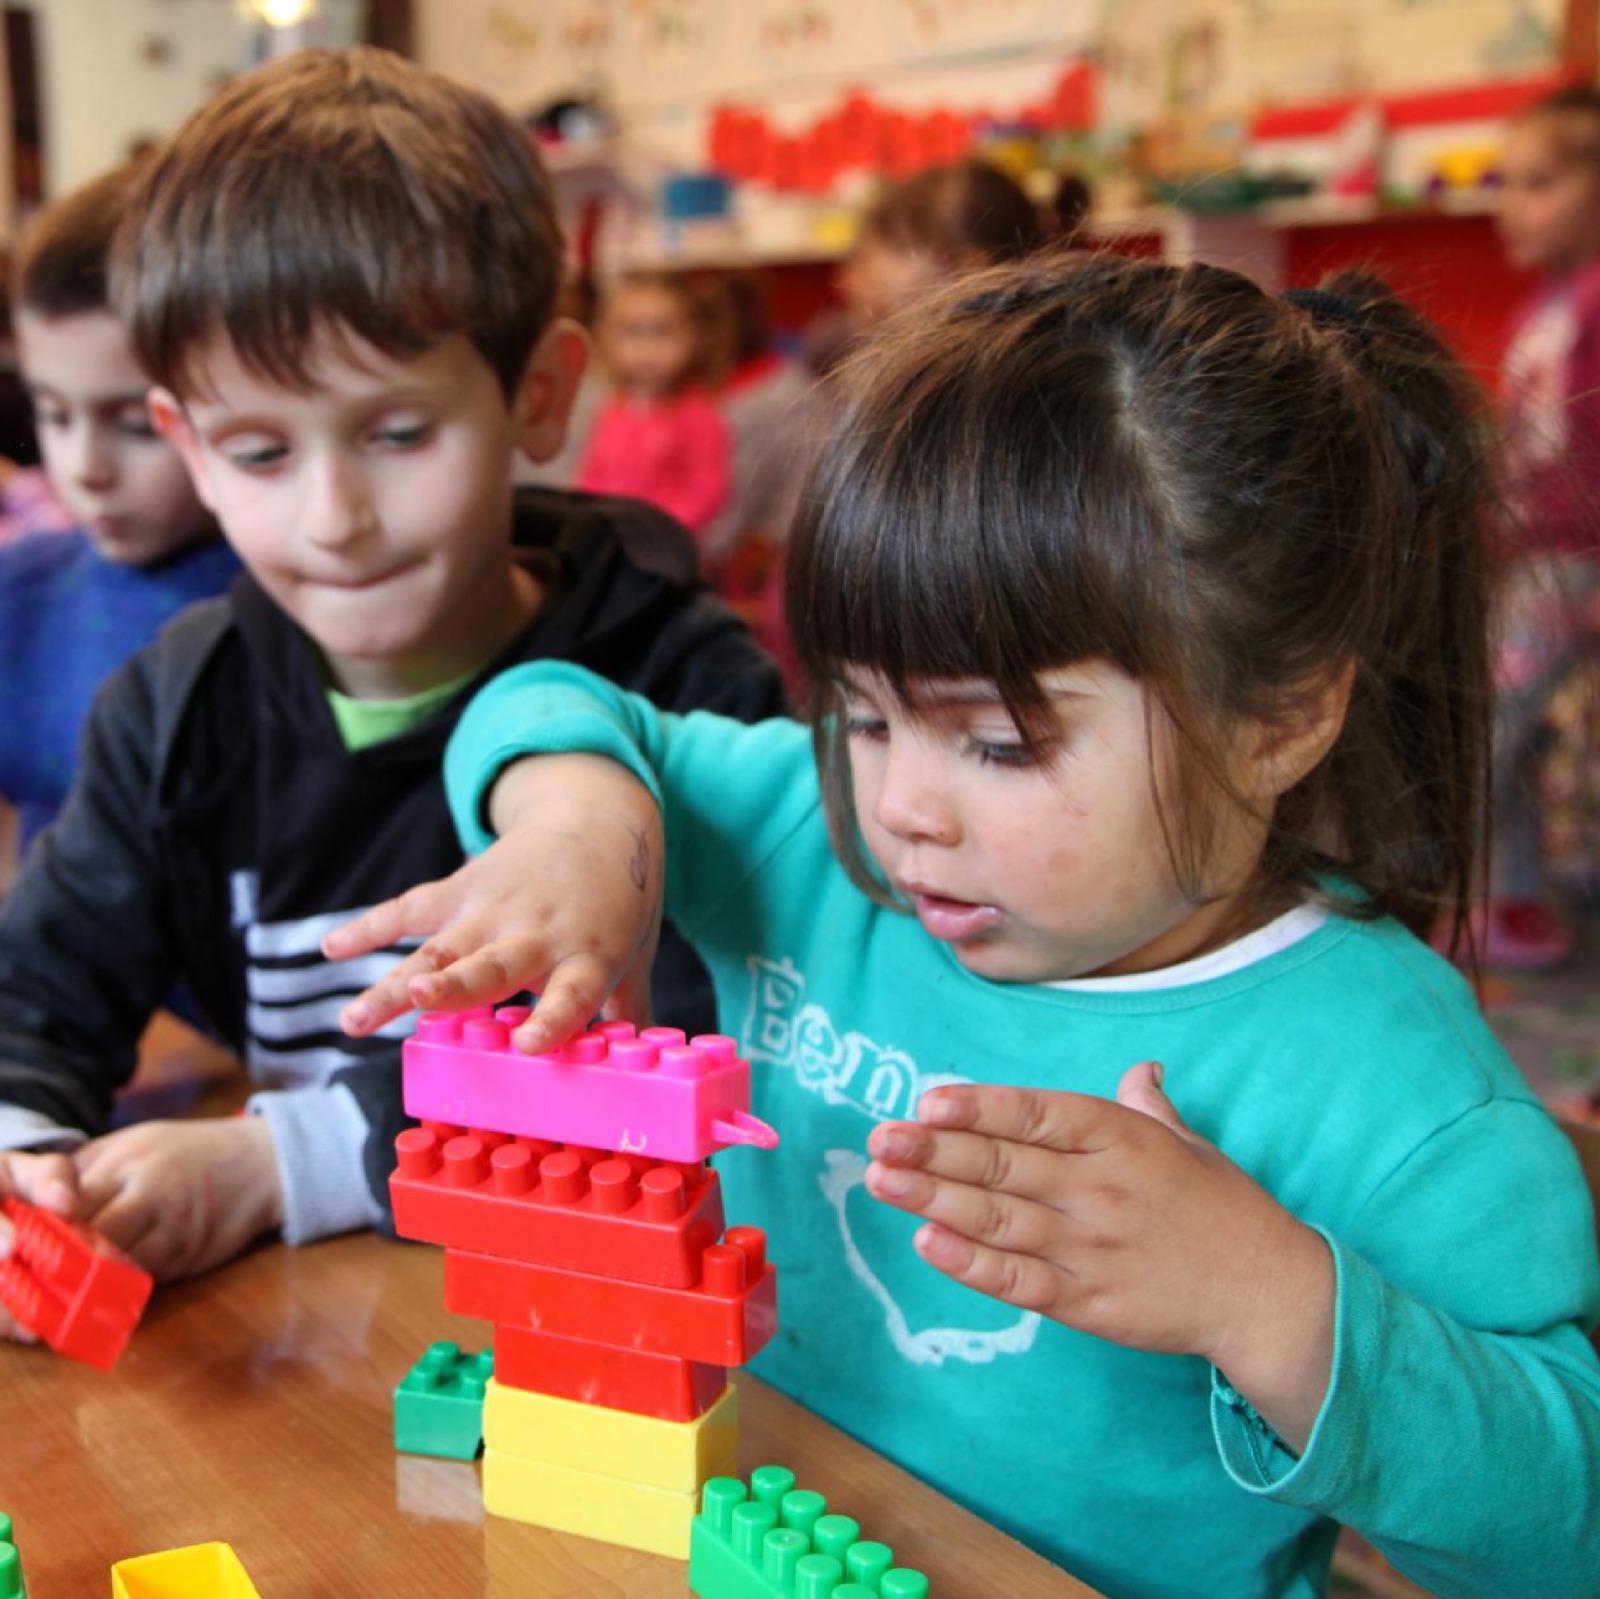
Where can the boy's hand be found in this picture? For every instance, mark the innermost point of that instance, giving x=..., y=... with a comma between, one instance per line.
x=1116, y=1219
x=567, y=904
x=182, y=1197
x=51, y=1183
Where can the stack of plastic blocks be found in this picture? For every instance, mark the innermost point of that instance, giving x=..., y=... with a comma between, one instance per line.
x=778, y=1542
x=438, y=1408
x=70, y=1286
x=11, y=1583
x=203, y=1571
x=580, y=1217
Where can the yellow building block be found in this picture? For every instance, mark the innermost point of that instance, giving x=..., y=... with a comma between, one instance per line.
x=203, y=1571
x=626, y=1513
x=675, y=1455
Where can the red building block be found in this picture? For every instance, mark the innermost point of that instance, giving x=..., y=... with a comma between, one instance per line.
x=580, y=1209
x=725, y=1320
x=598, y=1374
x=72, y=1287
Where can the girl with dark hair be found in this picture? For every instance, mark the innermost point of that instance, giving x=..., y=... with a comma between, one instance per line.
x=1143, y=616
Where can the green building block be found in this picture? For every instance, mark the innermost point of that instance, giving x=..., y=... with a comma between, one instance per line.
x=11, y=1584
x=438, y=1407
x=776, y=1541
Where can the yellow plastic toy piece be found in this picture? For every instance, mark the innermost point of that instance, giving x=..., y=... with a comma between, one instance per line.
x=677, y=1456
x=626, y=1513
x=203, y=1571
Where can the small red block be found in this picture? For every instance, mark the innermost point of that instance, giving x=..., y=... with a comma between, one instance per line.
x=726, y=1319
x=598, y=1374
x=70, y=1286
x=580, y=1209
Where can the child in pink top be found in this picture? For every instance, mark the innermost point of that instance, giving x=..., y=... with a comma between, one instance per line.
x=659, y=438
x=1550, y=222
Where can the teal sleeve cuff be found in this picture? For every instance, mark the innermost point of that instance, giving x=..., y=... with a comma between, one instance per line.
x=548, y=708
x=1254, y=1456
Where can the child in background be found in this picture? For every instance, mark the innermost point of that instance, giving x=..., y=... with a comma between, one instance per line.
x=272, y=761
x=73, y=609
x=1550, y=222
x=661, y=437
x=935, y=226
x=1144, y=620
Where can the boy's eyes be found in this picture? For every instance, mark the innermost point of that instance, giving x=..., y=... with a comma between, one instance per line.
x=403, y=435
x=254, y=455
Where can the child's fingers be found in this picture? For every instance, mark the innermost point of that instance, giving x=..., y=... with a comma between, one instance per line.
x=418, y=913
x=49, y=1181
x=576, y=990
x=1025, y=1281
x=1049, y=1118
x=394, y=994
x=979, y=1214
x=501, y=968
x=995, y=1164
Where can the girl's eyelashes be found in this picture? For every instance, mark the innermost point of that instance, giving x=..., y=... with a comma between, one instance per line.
x=865, y=726
x=988, y=752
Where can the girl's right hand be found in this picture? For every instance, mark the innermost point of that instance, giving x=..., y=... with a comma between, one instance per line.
x=51, y=1183
x=567, y=903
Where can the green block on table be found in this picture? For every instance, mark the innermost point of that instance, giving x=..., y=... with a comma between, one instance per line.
x=438, y=1407
x=11, y=1585
x=776, y=1541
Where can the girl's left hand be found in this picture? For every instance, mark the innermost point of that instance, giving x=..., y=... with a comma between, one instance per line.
x=182, y=1197
x=1116, y=1219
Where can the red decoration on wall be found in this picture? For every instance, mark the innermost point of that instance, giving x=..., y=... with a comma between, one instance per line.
x=862, y=132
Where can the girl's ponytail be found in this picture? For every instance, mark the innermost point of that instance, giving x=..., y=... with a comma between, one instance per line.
x=1417, y=746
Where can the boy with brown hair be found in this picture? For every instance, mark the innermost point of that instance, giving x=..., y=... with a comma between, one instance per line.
x=142, y=545
x=341, y=274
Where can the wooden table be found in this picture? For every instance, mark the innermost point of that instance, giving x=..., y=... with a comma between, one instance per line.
x=253, y=1406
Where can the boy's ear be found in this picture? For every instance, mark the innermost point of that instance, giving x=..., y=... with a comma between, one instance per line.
x=549, y=386
x=173, y=424
x=1285, y=750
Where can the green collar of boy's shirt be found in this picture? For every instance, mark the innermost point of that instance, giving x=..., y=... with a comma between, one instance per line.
x=363, y=723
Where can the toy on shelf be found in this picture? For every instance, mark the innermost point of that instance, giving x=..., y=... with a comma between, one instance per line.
x=11, y=1583
x=202, y=1571
x=438, y=1407
x=776, y=1541
x=609, y=1088
x=72, y=1287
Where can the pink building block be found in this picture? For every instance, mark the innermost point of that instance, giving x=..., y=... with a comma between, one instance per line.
x=647, y=1093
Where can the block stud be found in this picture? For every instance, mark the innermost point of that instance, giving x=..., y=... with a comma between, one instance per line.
x=752, y=1522
x=514, y=1170
x=782, y=1550
x=722, y=1270
x=466, y=1162
x=719, y=1497
x=816, y=1577
x=417, y=1151
x=615, y=1187
x=833, y=1535
x=485, y=1033
x=682, y=1060
x=802, y=1509
x=665, y=1037
x=633, y=1055
x=513, y=1016
x=563, y=1177
x=665, y=1194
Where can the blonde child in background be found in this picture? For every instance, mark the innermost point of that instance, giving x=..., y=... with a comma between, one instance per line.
x=74, y=607
x=660, y=438
x=1144, y=621
x=1550, y=222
